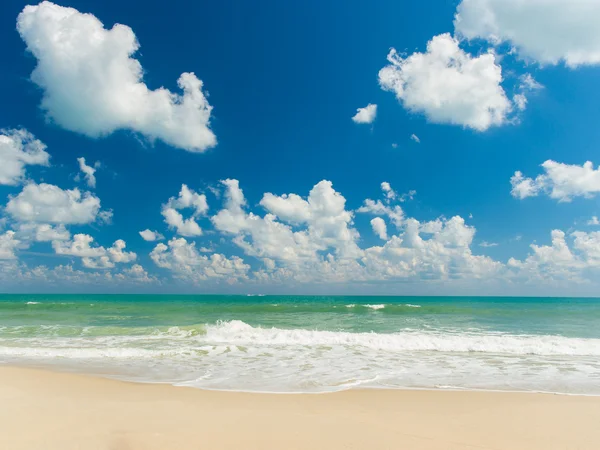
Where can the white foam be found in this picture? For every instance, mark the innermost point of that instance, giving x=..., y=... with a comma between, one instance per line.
x=234, y=355
x=33, y=303
x=412, y=306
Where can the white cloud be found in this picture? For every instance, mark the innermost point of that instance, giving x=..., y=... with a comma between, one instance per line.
x=88, y=172
x=187, y=199
x=379, y=228
x=448, y=85
x=43, y=232
x=390, y=194
x=526, y=84
x=486, y=244
x=548, y=31
x=94, y=257
x=415, y=138
x=8, y=245
x=325, y=223
x=394, y=213
x=366, y=114
x=593, y=221
x=184, y=260
x=574, y=257
x=46, y=203
x=19, y=148
x=560, y=181
x=151, y=236
x=93, y=85
x=65, y=276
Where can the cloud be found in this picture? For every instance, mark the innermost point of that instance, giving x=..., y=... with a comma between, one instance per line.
x=88, y=172
x=42, y=232
x=184, y=260
x=93, y=85
x=187, y=199
x=547, y=31
x=65, y=277
x=19, y=148
x=366, y=114
x=325, y=225
x=593, y=221
x=151, y=236
x=415, y=138
x=94, y=257
x=8, y=245
x=379, y=228
x=377, y=207
x=46, y=203
x=448, y=85
x=486, y=244
x=390, y=194
x=574, y=257
x=560, y=181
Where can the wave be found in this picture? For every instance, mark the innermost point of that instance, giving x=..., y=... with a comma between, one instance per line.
x=240, y=334
x=237, y=332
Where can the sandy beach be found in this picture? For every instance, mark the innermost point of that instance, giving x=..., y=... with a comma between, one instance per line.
x=59, y=411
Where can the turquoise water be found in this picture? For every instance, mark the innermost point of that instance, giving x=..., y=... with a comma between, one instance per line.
x=311, y=344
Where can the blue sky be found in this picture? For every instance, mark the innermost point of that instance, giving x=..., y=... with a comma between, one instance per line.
x=284, y=81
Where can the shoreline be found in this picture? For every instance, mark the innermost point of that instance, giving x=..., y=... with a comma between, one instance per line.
x=44, y=409
x=112, y=377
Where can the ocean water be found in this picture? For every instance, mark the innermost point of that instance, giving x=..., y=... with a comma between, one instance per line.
x=311, y=344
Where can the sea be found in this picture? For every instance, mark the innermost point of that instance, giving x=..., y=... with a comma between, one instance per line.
x=311, y=344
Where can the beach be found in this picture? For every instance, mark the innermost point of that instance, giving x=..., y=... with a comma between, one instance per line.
x=45, y=410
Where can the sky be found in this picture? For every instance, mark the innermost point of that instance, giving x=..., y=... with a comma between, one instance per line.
x=409, y=148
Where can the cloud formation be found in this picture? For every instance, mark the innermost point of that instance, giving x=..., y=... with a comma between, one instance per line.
x=88, y=172
x=19, y=148
x=560, y=181
x=46, y=203
x=151, y=236
x=93, y=85
x=366, y=114
x=448, y=85
x=547, y=31
x=187, y=199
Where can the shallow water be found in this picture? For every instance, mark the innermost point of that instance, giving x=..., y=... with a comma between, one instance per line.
x=311, y=344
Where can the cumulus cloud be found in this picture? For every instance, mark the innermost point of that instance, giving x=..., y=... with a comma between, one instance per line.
x=46, y=203
x=184, y=260
x=94, y=257
x=187, y=199
x=593, y=221
x=43, y=232
x=151, y=236
x=19, y=148
x=93, y=85
x=379, y=228
x=448, y=85
x=66, y=276
x=88, y=172
x=8, y=245
x=573, y=257
x=366, y=114
x=390, y=194
x=548, y=31
x=415, y=138
x=560, y=181
x=326, y=225
x=377, y=207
